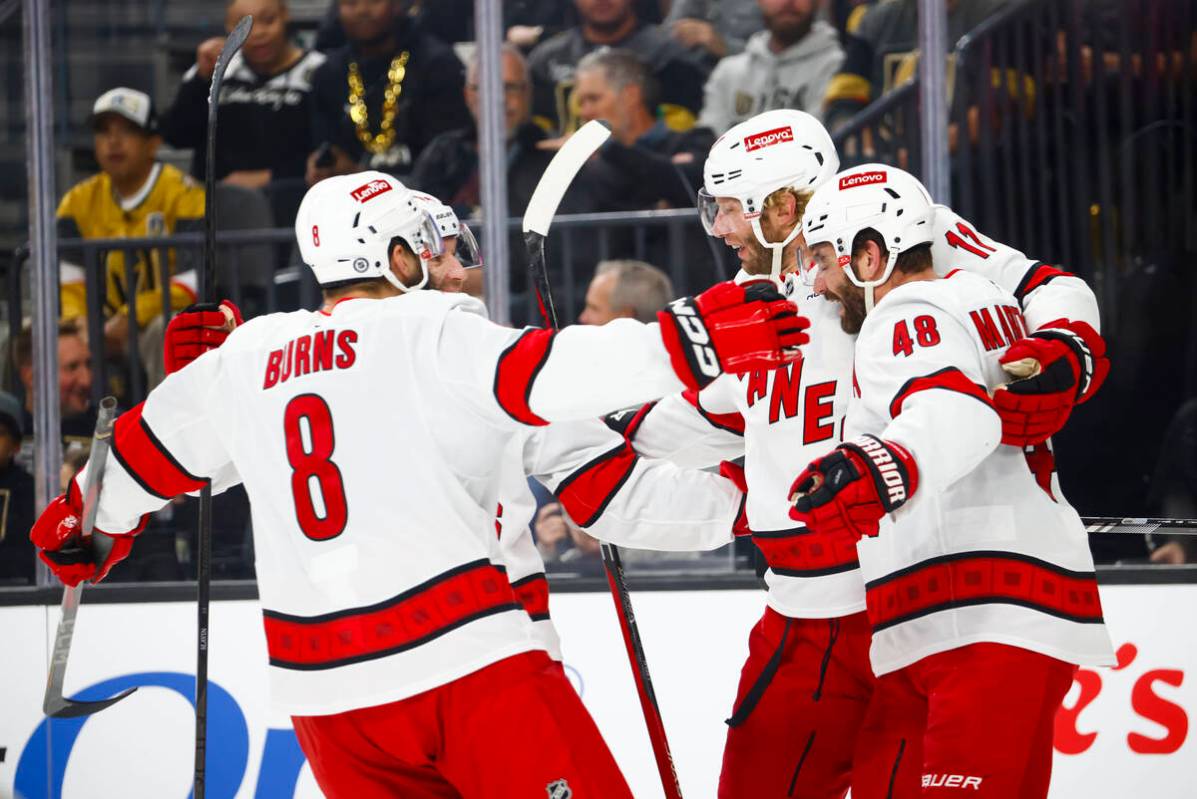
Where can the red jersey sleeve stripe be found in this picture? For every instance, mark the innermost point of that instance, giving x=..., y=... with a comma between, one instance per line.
x=949, y=379
x=517, y=370
x=731, y=422
x=533, y=593
x=586, y=493
x=1038, y=275
x=147, y=461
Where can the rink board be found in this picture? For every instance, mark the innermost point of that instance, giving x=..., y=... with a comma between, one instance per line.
x=1130, y=738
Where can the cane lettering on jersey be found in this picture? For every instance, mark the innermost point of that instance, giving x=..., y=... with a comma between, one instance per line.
x=782, y=387
x=997, y=335
x=321, y=351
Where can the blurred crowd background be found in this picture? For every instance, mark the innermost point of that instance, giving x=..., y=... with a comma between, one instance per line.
x=1073, y=137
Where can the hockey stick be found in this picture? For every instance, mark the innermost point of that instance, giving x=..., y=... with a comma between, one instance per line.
x=1140, y=526
x=204, y=283
x=54, y=704
x=537, y=219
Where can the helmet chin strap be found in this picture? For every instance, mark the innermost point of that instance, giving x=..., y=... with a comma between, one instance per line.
x=870, y=285
x=394, y=280
x=778, y=247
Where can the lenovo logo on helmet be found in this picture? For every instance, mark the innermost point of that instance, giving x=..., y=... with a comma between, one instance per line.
x=770, y=137
x=862, y=179
x=370, y=190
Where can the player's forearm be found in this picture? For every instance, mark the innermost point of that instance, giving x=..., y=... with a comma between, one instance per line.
x=591, y=370
x=948, y=434
x=1065, y=297
x=666, y=508
x=675, y=430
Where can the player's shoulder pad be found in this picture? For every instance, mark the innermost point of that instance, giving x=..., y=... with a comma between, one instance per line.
x=429, y=302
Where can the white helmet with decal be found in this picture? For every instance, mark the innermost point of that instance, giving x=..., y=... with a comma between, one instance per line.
x=774, y=150
x=887, y=199
x=346, y=224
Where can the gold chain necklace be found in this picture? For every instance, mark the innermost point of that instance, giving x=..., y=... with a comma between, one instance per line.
x=382, y=141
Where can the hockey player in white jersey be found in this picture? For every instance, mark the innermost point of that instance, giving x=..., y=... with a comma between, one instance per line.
x=805, y=686
x=980, y=587
x=369, y=436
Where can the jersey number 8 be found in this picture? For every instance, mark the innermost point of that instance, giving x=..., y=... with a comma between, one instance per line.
x=310, y=461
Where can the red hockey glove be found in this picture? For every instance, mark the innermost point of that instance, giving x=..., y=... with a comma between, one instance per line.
x=847, y=491
x=735, y=472
x=197, y=329
x=1058, y=366
x=57, y=534
x=731, y=328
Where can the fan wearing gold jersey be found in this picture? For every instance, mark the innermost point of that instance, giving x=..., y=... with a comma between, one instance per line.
x=133, y=196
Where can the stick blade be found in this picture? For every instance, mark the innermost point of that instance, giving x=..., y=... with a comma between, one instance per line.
x=560, y=173
x=63, y=708
x=232, y=44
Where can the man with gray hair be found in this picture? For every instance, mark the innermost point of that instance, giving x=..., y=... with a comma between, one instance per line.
x=625, y=288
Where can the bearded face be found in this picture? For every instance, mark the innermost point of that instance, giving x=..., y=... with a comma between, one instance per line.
x=838, y=288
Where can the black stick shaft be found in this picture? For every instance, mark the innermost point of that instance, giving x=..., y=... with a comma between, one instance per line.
x=538, y=271
x=205, y=282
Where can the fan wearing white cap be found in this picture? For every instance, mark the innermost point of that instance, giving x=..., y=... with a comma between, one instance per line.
x=756, y=181
x=974, y=570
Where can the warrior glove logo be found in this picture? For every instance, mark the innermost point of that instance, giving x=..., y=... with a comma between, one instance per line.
x=862, y=179
x=370, y=190
x=559, y=789
x=767, y=139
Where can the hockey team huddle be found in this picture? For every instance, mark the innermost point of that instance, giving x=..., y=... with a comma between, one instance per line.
x=888, y=377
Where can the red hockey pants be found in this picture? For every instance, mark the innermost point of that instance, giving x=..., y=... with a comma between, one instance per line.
x=515, y=728
x=802, y=696
x=971, y=722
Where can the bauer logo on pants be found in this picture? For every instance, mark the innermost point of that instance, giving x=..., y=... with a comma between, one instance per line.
x=770, y=137
x=370, y=190
x=558, y=789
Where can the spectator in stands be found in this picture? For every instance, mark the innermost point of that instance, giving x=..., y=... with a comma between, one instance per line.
x=265, y=131
x=883, y=52
x=448, y=167
x=625, y=289
x=77, y=414
x=1174, y=488
x=134, y=195
x=645, y=164
x=614, y=23
x=717, y=28
x=787, y=65
x=16, y=499
x=379, y=100
x=620, y=289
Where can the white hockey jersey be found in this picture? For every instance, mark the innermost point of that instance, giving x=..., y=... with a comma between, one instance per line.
x=370, y=440
x=609, y=491
x=980, y=552
x=781, y=421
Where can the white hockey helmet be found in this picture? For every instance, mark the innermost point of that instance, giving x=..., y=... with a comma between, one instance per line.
x=345, y=226
x=774, y=150
x=887, y=199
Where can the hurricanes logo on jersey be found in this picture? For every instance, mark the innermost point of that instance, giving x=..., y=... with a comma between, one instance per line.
x=558, y=789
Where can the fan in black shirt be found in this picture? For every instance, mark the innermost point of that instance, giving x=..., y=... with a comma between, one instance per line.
x=265, y=106
x=380, y=99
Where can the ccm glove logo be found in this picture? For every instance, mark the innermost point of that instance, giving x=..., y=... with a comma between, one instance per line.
x=702, y=354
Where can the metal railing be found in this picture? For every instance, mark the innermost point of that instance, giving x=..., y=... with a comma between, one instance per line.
x=259, y=270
